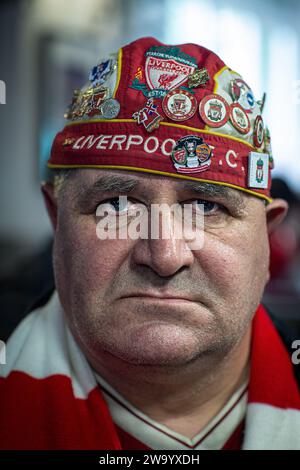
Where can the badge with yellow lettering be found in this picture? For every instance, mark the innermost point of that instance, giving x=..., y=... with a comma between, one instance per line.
x=179, y=105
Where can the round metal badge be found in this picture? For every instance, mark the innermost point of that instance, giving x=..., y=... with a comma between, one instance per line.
x=239, y=118
x=110, y=109
x=191, y=154
x=258, y=131
x=214, y=110
x=179, y=105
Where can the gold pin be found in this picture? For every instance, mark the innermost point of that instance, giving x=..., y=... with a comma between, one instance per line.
x=198, y=78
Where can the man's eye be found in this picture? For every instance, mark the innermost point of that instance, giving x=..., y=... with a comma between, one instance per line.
x=208, y=207
x=115, y=205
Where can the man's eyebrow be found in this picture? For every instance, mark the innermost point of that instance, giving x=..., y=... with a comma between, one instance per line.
x=126, y=184
x=105, y=184
x=213, y=190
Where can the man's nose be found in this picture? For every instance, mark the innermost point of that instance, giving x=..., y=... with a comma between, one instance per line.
x=165, y=253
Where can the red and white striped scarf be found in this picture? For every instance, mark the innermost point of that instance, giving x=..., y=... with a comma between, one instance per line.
x=50, y=398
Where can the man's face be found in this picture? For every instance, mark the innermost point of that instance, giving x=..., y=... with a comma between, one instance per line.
x=156, y=301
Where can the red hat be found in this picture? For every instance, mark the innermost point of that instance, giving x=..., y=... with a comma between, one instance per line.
x=169, y=110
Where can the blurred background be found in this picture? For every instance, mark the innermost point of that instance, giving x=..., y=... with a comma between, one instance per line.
x=47, y=48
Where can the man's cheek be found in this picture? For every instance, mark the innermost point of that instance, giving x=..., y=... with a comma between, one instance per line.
x=90, y=263
x=221, y=261
x=73, y=249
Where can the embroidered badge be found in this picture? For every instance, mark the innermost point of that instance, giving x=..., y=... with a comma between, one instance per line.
x=166, y=68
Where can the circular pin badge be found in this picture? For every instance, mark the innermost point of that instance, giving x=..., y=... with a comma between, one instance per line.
x=110, y=109
x=258, y=131
x=214, y=110
x=239, y=118
x=179, y=105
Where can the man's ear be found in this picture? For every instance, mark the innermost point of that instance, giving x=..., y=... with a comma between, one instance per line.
x=50, y=202
x=276, y=212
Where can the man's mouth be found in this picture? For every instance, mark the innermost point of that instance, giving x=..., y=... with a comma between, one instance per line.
x=158, y=296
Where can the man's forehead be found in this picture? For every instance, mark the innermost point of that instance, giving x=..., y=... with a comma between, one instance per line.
x=97, y=180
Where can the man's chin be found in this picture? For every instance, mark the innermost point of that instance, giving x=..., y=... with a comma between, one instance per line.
x=158, y=343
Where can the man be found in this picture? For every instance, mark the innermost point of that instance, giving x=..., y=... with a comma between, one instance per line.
x=156, y=342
